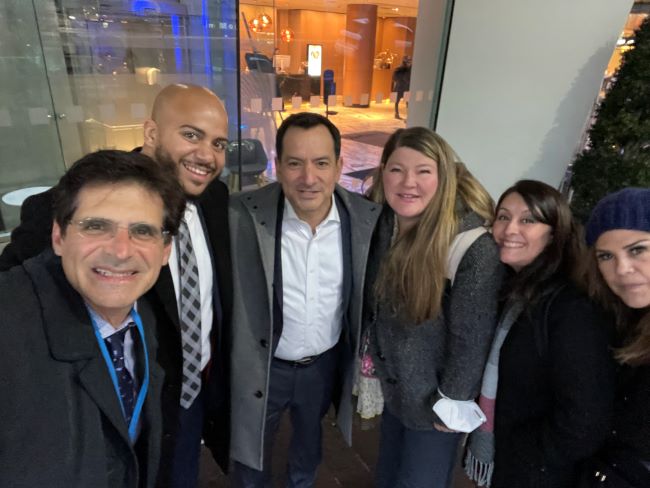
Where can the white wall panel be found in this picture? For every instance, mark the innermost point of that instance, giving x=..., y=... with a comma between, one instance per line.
x=520, y=80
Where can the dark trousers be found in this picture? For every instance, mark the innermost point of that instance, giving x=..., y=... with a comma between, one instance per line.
x=306, y=391
x=400, y=95
x=184, y=472
x=414, y=458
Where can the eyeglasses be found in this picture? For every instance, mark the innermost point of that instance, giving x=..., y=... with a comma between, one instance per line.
x=98, y=228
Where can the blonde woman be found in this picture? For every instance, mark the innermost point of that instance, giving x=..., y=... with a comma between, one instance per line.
x=429, y=338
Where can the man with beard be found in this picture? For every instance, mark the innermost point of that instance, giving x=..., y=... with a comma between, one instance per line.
x=193, y=295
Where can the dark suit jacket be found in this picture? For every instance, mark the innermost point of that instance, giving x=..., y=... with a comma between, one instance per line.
x=213, y=206
x=62, y=424
x=33, y=236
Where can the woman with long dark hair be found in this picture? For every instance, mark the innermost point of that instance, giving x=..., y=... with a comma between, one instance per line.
x=548, y=386
x=431, y=304
x=618, y=234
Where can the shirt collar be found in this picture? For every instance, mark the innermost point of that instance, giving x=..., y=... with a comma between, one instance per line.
x=106, y=329
x=190, y=211
x=290, y=213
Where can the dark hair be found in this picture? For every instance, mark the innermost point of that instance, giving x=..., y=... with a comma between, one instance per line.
x=306, y=120
x=633, y=325
x=111, y=167
x=561, y=256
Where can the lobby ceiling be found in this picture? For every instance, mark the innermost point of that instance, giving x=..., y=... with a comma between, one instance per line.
x=391, y=8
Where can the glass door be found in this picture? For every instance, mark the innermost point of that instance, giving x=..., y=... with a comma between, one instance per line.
x=339, y=59
x=30, y=149
x=81, y=75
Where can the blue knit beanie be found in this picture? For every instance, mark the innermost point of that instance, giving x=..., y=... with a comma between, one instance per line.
x=627, y=209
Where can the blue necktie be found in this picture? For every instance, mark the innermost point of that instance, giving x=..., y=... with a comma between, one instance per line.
x=115, y=346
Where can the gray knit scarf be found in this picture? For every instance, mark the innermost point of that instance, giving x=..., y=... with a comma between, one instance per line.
x=479, y=460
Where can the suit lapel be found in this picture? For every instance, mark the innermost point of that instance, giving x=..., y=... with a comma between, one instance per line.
x=95, y=379
x=213, y=208
x=362, y=216
x=164, y=288
x=346, y=239
x=151, y=409
x=262, y=206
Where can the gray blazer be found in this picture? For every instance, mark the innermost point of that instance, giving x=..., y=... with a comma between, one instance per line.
x=253, y=218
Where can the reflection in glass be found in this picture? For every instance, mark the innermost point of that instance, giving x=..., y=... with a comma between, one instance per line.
x=81, y=75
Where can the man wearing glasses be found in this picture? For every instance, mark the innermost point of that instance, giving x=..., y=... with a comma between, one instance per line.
x=79, y=385
x=188, y=131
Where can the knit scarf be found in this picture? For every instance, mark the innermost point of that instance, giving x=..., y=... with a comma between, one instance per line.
x=479, y=460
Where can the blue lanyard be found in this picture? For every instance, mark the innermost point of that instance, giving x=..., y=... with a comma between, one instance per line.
x=137, y=410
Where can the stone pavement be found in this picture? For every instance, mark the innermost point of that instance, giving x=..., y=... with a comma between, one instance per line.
x=342, y=466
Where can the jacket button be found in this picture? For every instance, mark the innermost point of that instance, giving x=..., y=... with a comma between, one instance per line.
x=259, y=394
x=264, y=343
x=262, y=223
x=391, y=381
x=381, y=356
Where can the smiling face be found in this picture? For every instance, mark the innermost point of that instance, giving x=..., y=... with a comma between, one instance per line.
x=410, y=181
x=624, y=261
x=519, y=235
x=189, y=129
x=308, y=172
x=111, y=273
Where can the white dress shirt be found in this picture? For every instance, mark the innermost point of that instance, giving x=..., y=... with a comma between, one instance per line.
x=312, y=285
x=204, y=265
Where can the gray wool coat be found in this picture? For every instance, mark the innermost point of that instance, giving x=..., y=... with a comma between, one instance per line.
x=447, y=353
x=253, y=218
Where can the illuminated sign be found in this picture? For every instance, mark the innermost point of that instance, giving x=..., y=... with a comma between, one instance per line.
x=314, y=59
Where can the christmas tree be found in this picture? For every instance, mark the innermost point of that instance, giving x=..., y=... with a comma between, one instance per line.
x=619, y=140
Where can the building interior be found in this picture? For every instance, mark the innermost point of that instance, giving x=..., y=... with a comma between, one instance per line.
x=80, y=75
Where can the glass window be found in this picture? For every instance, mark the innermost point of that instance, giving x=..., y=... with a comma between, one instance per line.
x=81, y=75
x=349, y=62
